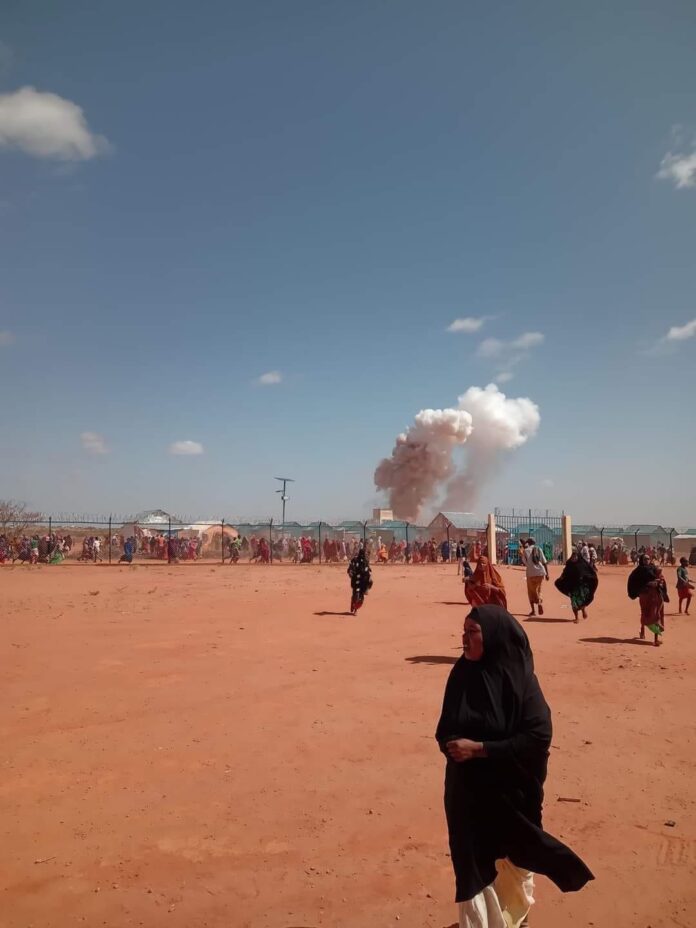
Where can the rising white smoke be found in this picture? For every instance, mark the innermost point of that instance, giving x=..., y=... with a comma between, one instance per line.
x=422, y=465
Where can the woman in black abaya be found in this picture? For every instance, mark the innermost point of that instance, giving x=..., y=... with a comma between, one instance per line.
x=360, y=580
x=495, y=730
x=579, y=583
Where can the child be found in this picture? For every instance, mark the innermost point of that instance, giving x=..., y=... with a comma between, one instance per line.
x=684, y=585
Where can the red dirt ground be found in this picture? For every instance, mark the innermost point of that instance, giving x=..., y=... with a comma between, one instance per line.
x=215, y=746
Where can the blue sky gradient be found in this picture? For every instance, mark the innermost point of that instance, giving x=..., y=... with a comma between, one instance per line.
x=319, y=189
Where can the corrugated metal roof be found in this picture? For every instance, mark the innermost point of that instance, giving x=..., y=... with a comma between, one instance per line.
x=155, y=517
x=648, y=529
x=462, y=519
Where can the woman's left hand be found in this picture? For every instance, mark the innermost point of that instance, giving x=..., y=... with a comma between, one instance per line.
x=462, y=749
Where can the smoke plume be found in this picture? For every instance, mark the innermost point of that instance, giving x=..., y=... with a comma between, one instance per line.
x=422, y=467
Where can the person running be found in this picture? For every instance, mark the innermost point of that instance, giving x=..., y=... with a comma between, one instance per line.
x=579, y=582
x=536, y=568
x=360, y=580
x=128, y=549
x=495, y=731
x=684, y=585
x=460, y=552
x=593, y=556
x=485, y=586
x=647, y=585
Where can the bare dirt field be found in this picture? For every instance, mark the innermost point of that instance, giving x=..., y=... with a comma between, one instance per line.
x=194, y=746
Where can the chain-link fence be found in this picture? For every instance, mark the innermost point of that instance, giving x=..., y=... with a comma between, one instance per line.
x=158, y=537
x=623, y=544
x=518, y=525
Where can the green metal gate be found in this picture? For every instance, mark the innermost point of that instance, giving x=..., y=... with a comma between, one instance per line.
x=545, y=527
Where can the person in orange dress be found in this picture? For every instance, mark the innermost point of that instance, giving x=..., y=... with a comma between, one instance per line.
x=485, y=586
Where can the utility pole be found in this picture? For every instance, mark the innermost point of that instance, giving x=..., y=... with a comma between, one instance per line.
x=283, y=495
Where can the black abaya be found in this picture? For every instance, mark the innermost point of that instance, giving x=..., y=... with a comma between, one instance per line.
x=494, y=804
x=577, y=573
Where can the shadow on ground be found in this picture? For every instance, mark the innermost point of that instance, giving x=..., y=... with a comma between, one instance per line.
x=431, y=659
x=608, y=640
x=333, y=613
x=547, y=619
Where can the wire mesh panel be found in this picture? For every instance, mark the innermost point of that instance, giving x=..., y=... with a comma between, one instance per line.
x=158, y=537
x=546, y=528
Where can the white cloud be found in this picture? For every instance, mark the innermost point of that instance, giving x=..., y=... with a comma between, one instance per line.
x=6, y=338
x=547, y=482
x=270, y=378
x=469, y=324
x=503, y=377
x=679, y=333
x=490, y=348
x=527, y=340
x=680, y=169
x=93, y=443
x=47, y=126
x=186, y=447
x=514, y=350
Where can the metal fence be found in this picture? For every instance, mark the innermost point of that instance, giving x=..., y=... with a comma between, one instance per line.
x=517, y=525
x=172, y=539
x=156, y=536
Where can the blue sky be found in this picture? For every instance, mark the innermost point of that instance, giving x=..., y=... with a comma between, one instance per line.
x=320, y=189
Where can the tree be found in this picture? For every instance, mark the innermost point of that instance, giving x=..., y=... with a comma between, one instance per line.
x=15, y=517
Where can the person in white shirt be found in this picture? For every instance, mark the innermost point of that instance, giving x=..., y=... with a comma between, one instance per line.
x=537, y=568
x=592, y=554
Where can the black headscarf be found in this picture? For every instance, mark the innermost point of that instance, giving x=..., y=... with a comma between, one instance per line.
x=359, y=572
x=639, y=578
x=576, y=573
x=494, y=805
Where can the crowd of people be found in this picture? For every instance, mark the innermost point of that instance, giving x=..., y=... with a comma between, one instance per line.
x=35, y=549
x=495, y=731
x=579, y=581
x=307, y=550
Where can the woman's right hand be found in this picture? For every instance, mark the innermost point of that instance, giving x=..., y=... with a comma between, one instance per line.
x=462, y=750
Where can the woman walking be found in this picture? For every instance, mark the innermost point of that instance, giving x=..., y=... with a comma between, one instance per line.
x=495, y=730
x=579, y=582
x=534, y=561
x=360, y=580
x=647, y=585
x=684, y=585
x=485, y=586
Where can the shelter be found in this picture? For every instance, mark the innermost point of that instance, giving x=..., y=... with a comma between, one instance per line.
x=458, y=526
x=151, y=522
x=587, y=533
x=685, y=545
x=648, y=536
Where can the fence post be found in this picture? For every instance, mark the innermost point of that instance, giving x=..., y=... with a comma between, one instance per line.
x=365, y=532
x=408, y=550
x=222, y=541
x=567, y=536
x=320, y=541
x=169, y=541
x=492, y=539
x=270, y=538
x=601, y=544
x=49, y=526
x=110, y=539
x=636, y=538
